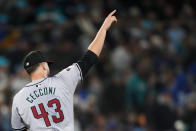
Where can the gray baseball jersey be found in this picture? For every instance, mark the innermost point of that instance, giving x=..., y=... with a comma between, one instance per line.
x=47, y=104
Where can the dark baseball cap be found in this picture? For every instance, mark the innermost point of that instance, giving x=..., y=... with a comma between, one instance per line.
x=35, y=57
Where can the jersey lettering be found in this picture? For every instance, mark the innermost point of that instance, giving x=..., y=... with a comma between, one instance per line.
x=44, y=114
x=40, y=92
x=58, y=109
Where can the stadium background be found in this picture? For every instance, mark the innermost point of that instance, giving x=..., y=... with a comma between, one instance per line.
x=145, y=80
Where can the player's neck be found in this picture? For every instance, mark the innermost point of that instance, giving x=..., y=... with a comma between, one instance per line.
x=37, y=76
x=35, y=79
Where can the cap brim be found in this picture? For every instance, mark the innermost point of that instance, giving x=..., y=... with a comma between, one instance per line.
x=50, y=62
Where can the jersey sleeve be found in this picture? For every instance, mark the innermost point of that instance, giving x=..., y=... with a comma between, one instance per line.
x=71, y=76
x=87, y=61
x=16, y=120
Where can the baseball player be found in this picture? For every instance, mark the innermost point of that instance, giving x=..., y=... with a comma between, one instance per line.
x=46, y=103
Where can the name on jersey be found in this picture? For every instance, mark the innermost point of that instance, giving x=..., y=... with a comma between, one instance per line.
x=40, y=92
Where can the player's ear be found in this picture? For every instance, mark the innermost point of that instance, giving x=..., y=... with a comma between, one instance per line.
x=43, y=65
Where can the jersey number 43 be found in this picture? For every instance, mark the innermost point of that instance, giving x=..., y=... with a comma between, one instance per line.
x=44, y=114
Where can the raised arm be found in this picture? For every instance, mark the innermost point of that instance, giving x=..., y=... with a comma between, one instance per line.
x=97, y=44
x=95, y=48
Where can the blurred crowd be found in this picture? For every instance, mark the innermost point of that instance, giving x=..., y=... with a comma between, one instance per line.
x=146, y=76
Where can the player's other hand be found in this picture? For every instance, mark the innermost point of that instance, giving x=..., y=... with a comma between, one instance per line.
x=109, y=20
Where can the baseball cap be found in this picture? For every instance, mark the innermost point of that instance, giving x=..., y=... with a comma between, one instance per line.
x=35, y=57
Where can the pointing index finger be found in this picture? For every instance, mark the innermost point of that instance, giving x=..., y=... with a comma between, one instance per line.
x=112, y=12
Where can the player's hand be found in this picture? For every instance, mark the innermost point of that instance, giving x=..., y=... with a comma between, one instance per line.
x=109, y=20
